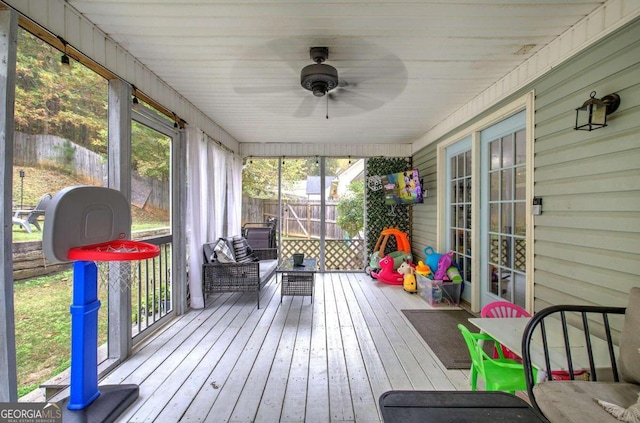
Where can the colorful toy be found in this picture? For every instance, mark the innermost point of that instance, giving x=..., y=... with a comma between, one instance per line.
x=387, y=274
x=422, y=269
x=409, y=282
x=444, y=263
x=400, y=255
x=454, y=274
x=432, y=258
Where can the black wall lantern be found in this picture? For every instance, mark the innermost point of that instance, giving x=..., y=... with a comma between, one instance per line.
x=593, y=113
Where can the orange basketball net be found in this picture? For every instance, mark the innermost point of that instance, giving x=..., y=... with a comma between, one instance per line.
x=116, y=250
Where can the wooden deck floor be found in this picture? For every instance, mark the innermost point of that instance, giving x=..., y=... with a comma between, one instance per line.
x=292, y=362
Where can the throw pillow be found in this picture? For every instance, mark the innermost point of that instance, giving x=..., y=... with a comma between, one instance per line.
x=242, y=250
x=223, y=252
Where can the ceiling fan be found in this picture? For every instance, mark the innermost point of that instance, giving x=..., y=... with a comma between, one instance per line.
x=362, y=86
x=319, y=78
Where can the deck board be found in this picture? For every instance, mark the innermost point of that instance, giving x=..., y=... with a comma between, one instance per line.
x=294, y=361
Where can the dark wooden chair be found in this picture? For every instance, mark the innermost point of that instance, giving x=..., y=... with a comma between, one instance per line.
x=617, y=382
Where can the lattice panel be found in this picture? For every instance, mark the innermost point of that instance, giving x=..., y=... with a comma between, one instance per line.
x=520, y=254
x=309, y=247
x=339, y=254
x=344, y=254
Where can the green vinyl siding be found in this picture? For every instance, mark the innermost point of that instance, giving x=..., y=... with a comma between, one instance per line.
x=424, y=228
x=587, y=240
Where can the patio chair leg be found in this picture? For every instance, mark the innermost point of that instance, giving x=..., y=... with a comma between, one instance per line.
x=474, y=379
x=22, y=223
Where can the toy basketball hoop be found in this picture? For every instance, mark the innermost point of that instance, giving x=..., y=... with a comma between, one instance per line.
x=90, y=225
x=118, y=250
x=116, y=276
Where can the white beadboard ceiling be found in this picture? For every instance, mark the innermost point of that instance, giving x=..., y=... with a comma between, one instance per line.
x=408, y=65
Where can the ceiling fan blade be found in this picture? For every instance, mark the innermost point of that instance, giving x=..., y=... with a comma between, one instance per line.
x=384, y=67
x=356, y=99
x=274, y=89
x=287, y=51
x=307, y=106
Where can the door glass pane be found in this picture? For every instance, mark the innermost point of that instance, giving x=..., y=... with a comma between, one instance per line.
x=506, y=185
x=505, y=219
x=494, y=151
x=150, y=183
x=521, y=178
x=507, y=151
x=520, y=219
x=494, y=186
x=454, y=192
x=521, y=146
x=460, y=210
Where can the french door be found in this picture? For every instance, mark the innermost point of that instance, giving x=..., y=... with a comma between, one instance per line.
x=459, y=216
x=503, y=158
x=489, y=213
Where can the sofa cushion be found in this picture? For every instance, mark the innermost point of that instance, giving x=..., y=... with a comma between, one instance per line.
x=575, y=401
x=267, y=267
x=224, y=253
x=629, y=362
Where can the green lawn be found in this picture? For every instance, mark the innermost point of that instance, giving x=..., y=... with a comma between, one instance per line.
x=43, y=328
x=42, y=319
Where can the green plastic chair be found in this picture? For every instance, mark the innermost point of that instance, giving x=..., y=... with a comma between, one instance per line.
x=499, y=374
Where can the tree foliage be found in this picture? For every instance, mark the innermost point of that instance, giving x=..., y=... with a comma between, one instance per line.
x=260, y=176
x=351, y=209
x=51, y=100
x=73, y=104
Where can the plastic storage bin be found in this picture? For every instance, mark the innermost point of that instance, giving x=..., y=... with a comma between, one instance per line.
x=439, y=293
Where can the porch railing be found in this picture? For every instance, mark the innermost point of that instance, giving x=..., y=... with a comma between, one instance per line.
x=152, y=288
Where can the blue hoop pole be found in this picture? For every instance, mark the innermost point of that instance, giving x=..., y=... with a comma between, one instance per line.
x=84, y=336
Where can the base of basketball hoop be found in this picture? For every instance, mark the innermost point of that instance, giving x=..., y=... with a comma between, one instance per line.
x=113, y=401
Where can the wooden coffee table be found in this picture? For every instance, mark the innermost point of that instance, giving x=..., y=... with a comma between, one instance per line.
x=297, y=280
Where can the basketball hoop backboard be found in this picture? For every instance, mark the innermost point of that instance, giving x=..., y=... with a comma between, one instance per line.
x=83, y=215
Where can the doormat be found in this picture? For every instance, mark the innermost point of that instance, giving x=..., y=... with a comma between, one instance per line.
x=439, y=329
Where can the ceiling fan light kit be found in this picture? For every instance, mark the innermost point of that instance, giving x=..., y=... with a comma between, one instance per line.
x=319, y=78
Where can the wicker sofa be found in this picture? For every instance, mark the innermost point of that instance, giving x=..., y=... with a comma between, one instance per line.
x=246, y=271
x=619, y=384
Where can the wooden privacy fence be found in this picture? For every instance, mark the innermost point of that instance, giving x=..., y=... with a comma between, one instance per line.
x=50, y=150
x=302, y=219
x=301, y=227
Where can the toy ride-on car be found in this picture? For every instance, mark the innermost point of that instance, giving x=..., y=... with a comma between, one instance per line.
x=403, y=252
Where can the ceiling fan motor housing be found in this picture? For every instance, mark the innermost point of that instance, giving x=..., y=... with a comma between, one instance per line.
x=319, y=78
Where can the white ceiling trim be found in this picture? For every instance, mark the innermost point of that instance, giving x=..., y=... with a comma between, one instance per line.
x=326, y=150
x=607, y=18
